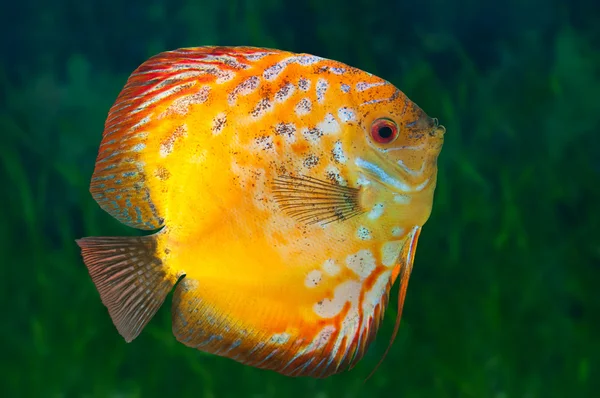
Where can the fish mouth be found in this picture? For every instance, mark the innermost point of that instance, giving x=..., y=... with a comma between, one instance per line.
x=438, y=131
x=437, y=142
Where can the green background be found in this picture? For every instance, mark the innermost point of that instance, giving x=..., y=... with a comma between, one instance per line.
x=504, y=297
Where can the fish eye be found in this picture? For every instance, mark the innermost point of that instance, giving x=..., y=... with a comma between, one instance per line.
x=384, y=131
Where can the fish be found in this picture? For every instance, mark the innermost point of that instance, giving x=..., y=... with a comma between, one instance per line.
x=282, y=195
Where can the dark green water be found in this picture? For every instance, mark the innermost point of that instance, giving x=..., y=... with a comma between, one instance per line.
x=504, y=300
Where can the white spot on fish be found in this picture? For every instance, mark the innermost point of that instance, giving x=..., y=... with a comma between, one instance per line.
x=177, y=77
x=362, y=86
x=218, y=123
x=376, y=211
x=244, y=88
x=256, y=56
x=402, y=199
x=262, y=107
x=362, y=180
x=350, y=324
x=166, y=147
x=139, y=124
x=304, y=84
x=287, y=130
x=347, y=291
x=280, y=338
x=181, y=106
x=311, y=161
x=376, y=100
x=285, y=92
x=263, y=143
x=345, y=88
x=346, y=115
x=362, y=263
x=227, y=60
x=273, y=71
x=329, y=125
x=338, y=152
x=140, y=135
x=330, y=267
x=221, y=75
x=138, y=147
x=224, y=76
x=397, y=231
x=140, y=166
x=303, y=107
x=390, y=252
x=306, y=59
x=320, y=339
x=161, y=96
x=374, y=296
x=337, y=71
x=313, y=279
x=322, y=86
x=313, y=135
x=334, y=174
x=363, y=233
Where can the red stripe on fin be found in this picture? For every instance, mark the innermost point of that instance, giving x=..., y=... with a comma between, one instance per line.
x=130, y=278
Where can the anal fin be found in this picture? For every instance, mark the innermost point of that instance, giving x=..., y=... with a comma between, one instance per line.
x=404, y=270
x=261, y=338
x=199, y=324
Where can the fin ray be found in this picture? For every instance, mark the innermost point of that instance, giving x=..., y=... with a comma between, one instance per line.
x=310, y=200
x=131, y=280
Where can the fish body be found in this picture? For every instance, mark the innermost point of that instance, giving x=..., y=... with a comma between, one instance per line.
x=289, y=190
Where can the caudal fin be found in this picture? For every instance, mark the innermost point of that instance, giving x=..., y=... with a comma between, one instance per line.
x=132, y=281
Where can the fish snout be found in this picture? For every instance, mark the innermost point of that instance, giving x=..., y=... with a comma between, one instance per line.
x=436, y=136
x=420, y=125
x=425, y=130
x=437, y=130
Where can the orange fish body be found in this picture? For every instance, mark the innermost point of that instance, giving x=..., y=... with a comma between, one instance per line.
x=289, y=191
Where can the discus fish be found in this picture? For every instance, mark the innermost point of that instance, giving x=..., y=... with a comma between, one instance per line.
x=286, y=193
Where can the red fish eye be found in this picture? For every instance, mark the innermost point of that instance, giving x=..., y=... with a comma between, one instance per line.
x=384, y=131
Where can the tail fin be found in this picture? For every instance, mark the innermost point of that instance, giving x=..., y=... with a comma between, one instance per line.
x=132, y=281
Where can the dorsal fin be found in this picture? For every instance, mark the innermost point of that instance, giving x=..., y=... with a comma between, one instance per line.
x=148, y=112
